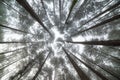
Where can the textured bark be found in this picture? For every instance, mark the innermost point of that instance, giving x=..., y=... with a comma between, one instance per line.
x=104, y=43
x=81, y=74
x=25, y=4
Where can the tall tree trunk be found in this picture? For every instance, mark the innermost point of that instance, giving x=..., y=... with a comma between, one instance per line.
x=99, y=24
x=25, y=4
x=116, y=59
x=8, y=42
x=89, y=67
x=81, y=7
x=81, y=74
x=12, y=50
x=40, y=67
x=21, y=72
x=113, y=48
x=110, y=8
x=45, y=10
x=71, y=8
x=25, y=69
x=4, y=2
x=3, y=67
x=1, y=25
x=95, y=64
x=104, y=43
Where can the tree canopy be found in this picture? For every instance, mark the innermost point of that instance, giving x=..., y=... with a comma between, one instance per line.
x=59, y=40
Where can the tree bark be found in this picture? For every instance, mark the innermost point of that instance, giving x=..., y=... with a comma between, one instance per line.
x=93, y=70
x=81, y=74
x=25, y=4
x=104, y=43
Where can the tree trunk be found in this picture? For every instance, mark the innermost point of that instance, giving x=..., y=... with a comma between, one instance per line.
x=104, y=43
x=8, y=42
x=25, y=4
x=81, y=74
x=71, y=8
x=21, y=72
x=99, y=24
x=13, y=8
x=12, y=51
x=93, y=70
x=40, y=67
x=116, y=59
x=1, y=25
x=113, y=6
x=106, y=70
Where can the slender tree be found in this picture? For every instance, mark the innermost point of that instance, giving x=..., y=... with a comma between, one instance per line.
x=1, y=25
x=3, y=1
x=12, y=50
x=116, y=17
x=21, y=72
x=25, y=4
x=7, y=42
x=104, y=43
x=110, y=8
x=101, y=67
x=81, y=74
x=71, y=8
x=40, y=67
x=92, y=69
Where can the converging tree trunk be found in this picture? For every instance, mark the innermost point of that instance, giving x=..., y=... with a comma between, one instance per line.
x=40, y=67
x=81, y=74
x=1, y=25
x=25, y=4
x=12, y=50
x=110, y=8
x=101, y=67
x=104, y=43
x=99, y=24
x=92, y=69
